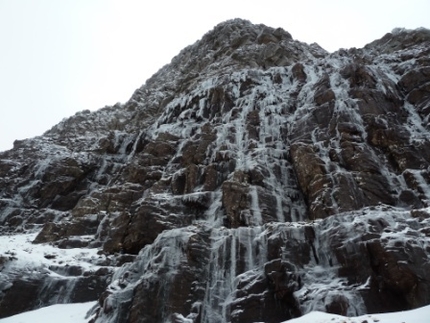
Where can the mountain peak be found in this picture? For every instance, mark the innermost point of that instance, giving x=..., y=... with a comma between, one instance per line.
x=237, y=31
x=401, y=39
x=238, y=43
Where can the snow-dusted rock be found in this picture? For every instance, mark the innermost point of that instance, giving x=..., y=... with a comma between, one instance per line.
x=254, y=178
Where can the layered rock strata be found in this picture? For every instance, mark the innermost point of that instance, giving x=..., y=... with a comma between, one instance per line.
x=254, y=178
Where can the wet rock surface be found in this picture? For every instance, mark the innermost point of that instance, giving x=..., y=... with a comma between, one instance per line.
x=254, y=178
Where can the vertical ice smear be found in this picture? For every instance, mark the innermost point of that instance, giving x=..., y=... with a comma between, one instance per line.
x=222, y=269
x=252, y=133
x=322, y=284
x=257, y=219
x=418, y=133
x=157, y=264
x=423, y=186
x=233, y=253
x=214, y=215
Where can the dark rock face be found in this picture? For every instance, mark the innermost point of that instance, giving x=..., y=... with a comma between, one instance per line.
x=23, y=290
x=255, y=178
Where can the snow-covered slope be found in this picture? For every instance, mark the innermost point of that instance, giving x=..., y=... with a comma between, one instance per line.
x=254, y=178
x=419, y=315
x=78, y=313
x=67, y=313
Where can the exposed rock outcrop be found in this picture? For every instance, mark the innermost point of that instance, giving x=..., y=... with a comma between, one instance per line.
x=254, y=178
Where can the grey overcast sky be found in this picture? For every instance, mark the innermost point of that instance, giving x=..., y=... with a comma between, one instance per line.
x=58, y=57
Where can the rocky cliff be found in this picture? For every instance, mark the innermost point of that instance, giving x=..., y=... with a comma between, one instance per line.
x=254, y=178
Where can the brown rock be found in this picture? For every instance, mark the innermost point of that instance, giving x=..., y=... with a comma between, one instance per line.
x=235, y=200
x=307, y=165
x=299, y=72
x=338, y=305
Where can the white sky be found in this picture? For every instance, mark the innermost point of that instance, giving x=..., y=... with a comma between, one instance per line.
x=60, y=57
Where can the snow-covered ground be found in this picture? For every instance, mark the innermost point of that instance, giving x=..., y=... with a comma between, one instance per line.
x=31, y=258
x=64, y=313
x=76, y=313
x=25, y=254
x=420, y=315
